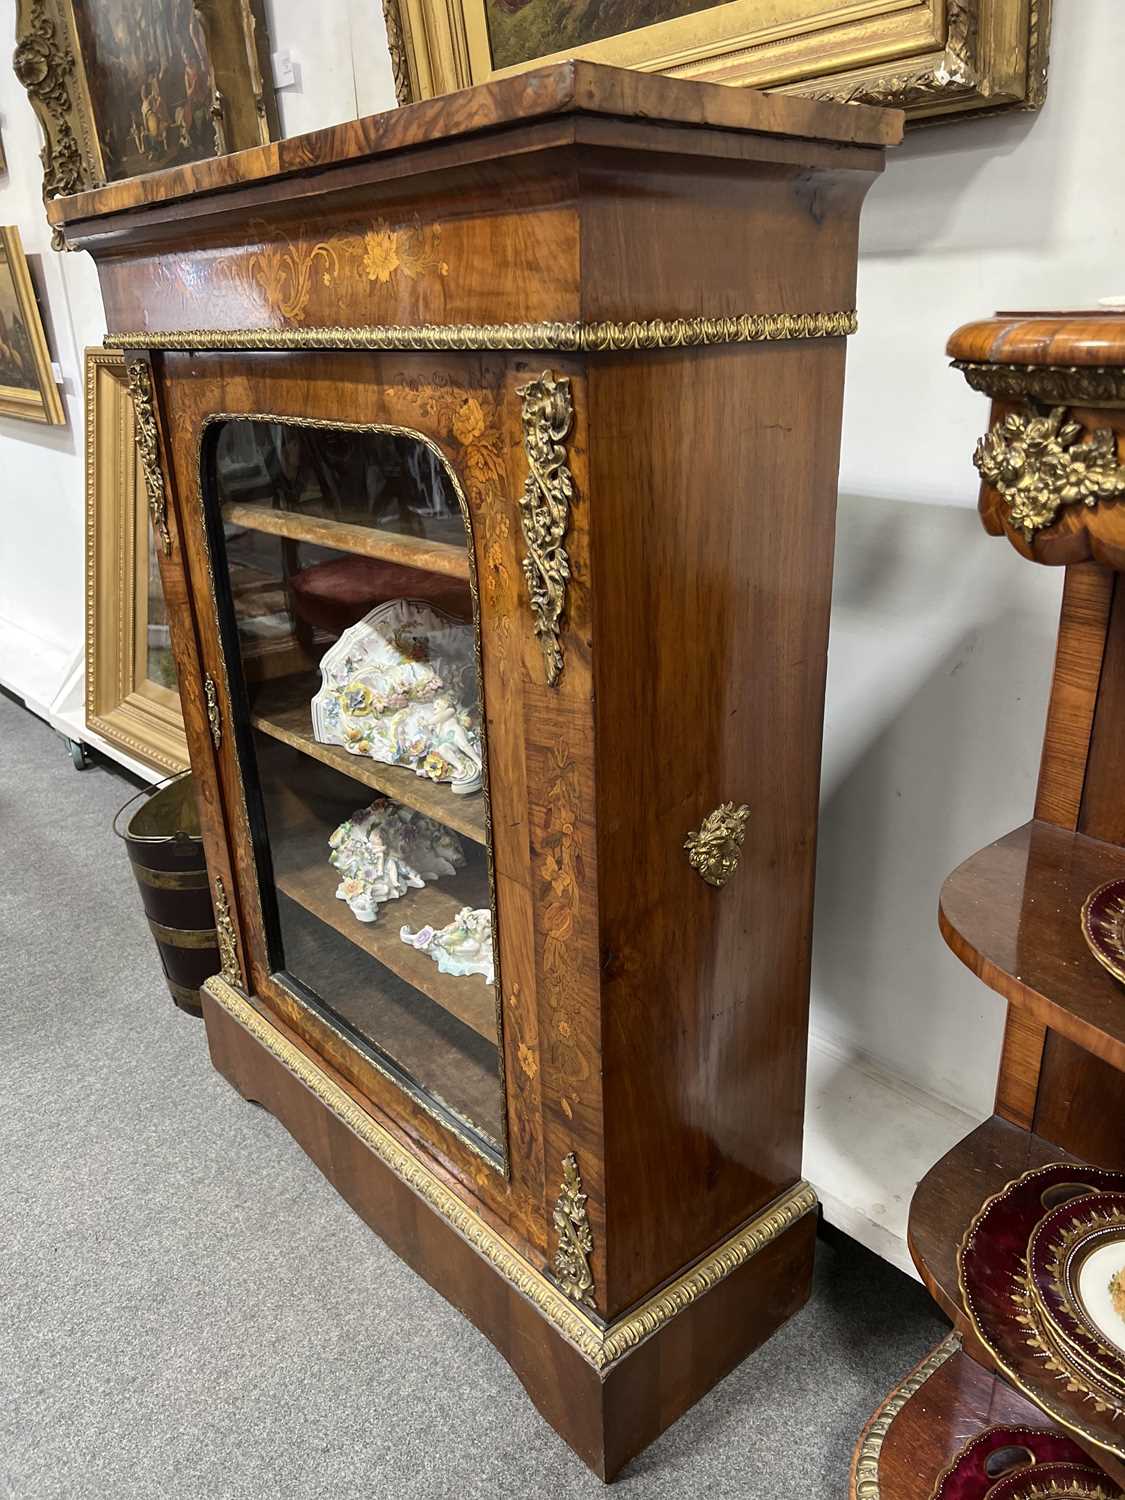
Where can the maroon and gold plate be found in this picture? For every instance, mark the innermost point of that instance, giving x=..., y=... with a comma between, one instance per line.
x=1000, y=1454
x=1076, y=1270
x=992, y=1268
x=1103, y=926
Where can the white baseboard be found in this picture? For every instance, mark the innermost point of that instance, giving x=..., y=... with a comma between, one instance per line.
x=869, y=1137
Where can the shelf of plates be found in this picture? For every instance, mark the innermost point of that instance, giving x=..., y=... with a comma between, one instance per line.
x=1019, y=1235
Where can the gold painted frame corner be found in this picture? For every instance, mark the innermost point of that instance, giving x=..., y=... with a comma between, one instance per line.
x=49, y=64
x=935, y=59
x=140, y=717
x=44, y=404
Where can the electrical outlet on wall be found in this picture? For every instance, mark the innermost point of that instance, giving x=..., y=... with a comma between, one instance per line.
x=286, y=70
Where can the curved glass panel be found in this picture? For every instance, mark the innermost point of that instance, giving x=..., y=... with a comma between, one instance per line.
x=342, y=569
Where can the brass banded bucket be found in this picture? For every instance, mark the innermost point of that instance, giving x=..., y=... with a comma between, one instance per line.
x=166, y=851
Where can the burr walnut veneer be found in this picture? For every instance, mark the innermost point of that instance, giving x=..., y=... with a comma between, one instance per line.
x=561, y=357
x=1054, y=484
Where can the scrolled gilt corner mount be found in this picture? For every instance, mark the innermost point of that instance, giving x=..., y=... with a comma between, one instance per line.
x=548, y=415
x=575, y=1241
x=1038, y=464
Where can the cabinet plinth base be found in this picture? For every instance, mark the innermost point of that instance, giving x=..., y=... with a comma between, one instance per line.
x=608, y=1391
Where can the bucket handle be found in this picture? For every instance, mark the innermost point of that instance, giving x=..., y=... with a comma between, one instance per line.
x=149, y=791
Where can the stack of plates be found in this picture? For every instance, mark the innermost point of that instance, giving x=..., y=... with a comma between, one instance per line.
x=1023, y=1463
x=1042, y=1273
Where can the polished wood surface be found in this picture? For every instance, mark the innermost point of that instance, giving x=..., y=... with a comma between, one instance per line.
x=1080, y=1102
x=958, y=1401
x=952, y=1191
x=281, y=710
x=1094, y=336
x=607, y=1416
x=706, y=1102
x=1083, y=622
x=368, y=541
x=1011, y=913
x=652, y=1025
x=560, y=89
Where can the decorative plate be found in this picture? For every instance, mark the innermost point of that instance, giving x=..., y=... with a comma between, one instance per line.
x=1055, y=1482
x=1008, y=1452
x=1103, y=926
x=1076, y=1271
x=992, y=1267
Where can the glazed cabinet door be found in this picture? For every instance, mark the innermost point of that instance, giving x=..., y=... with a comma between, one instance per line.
x=363, y=683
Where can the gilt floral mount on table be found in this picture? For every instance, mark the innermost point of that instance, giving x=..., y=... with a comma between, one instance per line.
x=400, y=687
x=463, y=946
x=1038, y=465
x=386, y=850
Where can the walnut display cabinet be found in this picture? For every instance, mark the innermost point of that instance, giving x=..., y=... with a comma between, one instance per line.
x=1052, y=464
x=560, y=358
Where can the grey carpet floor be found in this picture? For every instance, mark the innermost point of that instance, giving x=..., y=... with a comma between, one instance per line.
x=188, y=1308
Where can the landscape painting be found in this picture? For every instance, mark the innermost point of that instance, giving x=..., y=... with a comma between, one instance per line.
x=27, y=382
x=17, y=358
x=148, y=72
x=521, y=30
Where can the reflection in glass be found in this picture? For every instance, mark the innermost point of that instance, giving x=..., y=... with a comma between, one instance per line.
x=160, y=664
x=344, y=554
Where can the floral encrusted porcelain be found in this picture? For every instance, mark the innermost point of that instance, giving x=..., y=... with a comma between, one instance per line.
x=462, y=947
x=385, y=850
x=400, y=686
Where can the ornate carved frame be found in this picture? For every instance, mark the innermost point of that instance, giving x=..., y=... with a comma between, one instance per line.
x=43, y=404
x=48, y=62
x=932, y=58
x=123, y=705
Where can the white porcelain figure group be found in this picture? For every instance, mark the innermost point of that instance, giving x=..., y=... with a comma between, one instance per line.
x=400, y=686
x=385, y=850
x=463, y=946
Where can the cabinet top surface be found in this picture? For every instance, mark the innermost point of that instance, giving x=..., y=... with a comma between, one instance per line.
x=559, y=90
x=1082, y=336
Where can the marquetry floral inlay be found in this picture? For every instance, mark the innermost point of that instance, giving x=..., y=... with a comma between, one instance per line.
x=285, y=274
x=1038, y=465
x=413, y=249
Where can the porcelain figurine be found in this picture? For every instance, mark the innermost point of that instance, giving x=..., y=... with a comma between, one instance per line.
x=400, y=686
x=385, y=850
x=463, y=946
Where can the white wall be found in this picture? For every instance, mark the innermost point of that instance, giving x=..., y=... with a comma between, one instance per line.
x=942, y=638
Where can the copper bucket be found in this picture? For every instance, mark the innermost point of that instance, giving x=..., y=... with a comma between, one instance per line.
x=166, y=851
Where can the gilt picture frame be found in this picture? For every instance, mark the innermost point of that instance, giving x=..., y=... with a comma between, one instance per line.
x=128, y=86
x=933, y=58
x=131, y=696
x=27, y=382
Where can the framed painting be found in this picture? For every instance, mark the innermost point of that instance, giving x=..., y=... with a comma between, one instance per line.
x=933, y=58
x=123, y=87
x=131, y=696
x=27, y=382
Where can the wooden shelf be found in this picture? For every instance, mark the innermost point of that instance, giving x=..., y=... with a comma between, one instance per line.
x=944, y=1204
x=952, y=1191
x=281, y=709
x=305, y=876
x=926, y=1420
x=1011, y=913
x=347, y=536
